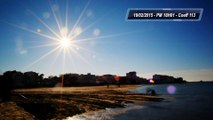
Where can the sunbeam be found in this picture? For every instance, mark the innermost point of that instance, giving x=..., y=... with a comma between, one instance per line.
x=79, y=18
x=55, y=17
x=106, y=36
x=34, y=32
x=92, y=24
x=47, y=26
x=42, y=45
x=42, y=57
x=63, y=39
x=67, y=13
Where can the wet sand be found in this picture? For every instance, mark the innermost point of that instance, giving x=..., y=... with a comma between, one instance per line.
x=57, y=103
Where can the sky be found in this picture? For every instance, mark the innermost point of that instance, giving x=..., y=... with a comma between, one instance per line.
x=102, y=41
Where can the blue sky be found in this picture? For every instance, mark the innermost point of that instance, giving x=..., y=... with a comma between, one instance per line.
x=175, y=48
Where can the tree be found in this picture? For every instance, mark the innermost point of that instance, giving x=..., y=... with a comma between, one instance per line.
x=7, y=84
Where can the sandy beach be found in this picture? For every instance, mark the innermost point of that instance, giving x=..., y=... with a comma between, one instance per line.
x=60, y=103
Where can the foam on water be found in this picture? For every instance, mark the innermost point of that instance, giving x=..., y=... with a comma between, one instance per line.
x=106, y=114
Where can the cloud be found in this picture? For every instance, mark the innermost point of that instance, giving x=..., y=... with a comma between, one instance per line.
x=96, y=32
x=189, y=75
x=20, y=47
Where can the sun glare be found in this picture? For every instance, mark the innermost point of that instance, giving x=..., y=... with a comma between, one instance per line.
x=65, y=42
x=64, y=38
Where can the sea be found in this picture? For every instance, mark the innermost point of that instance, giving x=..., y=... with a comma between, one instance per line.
x=186, y=101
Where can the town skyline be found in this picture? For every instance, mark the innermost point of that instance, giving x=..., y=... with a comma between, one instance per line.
x=32, y=79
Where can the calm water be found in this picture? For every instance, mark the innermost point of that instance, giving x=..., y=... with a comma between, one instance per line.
x=191, y=101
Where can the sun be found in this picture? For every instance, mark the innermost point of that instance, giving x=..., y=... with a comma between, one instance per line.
x=65, y=42
x=66, y=38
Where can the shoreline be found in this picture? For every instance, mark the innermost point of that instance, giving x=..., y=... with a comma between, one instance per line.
x=57, y=103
